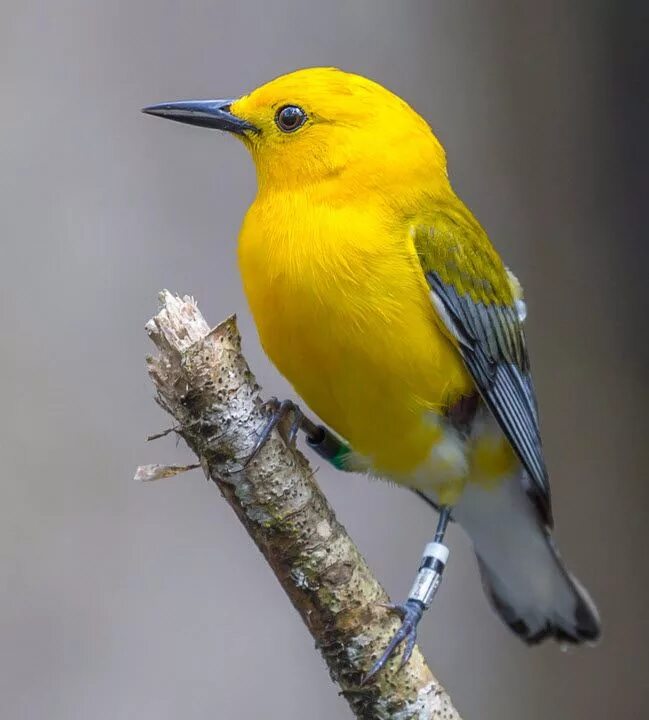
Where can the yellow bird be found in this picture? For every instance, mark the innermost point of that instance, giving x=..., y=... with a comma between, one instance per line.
x=379, y=296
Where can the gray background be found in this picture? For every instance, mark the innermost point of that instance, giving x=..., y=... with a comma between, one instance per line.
x=121, y=600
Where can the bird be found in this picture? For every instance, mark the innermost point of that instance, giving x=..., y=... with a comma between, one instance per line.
x=379, y=296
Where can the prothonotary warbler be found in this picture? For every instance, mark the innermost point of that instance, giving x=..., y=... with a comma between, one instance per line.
x=379, y=296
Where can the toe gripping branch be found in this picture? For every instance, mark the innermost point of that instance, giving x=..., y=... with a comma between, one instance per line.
x=428, y=580
x=330, y=447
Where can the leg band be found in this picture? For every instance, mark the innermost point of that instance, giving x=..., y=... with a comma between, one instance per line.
x=430, y=572
x=329, y=447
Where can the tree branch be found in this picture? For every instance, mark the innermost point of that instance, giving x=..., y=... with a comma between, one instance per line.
x=204, y=382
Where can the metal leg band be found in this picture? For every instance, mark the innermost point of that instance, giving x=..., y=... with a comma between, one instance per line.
x=430, y=572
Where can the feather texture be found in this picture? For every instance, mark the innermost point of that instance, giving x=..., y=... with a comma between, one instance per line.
x=474, y=298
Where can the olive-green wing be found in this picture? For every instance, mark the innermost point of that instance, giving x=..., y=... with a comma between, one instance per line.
x=475, y=299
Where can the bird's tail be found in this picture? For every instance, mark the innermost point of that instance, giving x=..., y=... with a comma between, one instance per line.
x=522, y=572
x=571, y=616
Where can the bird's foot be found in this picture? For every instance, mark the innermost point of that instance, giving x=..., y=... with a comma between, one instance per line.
x=410, y=613
x=278, y=411
x=429, y=577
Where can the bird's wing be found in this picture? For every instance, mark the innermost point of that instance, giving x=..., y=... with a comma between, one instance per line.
x=478, y=302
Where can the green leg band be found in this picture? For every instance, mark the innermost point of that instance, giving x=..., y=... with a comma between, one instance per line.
x=331, y=448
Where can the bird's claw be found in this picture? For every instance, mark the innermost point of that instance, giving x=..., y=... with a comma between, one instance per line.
x=276, y=412
x=410, y=613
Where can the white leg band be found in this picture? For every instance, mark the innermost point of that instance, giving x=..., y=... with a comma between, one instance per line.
x=430, y=572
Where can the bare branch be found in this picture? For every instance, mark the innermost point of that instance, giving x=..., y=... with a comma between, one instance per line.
x=202, y=379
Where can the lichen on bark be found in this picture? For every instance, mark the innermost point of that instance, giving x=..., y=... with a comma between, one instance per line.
x=204, y=382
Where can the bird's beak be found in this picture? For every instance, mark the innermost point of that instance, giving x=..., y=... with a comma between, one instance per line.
x=213, y=114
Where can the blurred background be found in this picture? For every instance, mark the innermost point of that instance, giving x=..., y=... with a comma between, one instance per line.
x=121, y=600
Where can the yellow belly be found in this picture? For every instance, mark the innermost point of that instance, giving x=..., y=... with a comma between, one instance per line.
x=343, y=311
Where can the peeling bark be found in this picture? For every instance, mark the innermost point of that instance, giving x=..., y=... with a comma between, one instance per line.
x=204, y=382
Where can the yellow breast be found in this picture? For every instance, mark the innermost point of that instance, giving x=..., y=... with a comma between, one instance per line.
x=343, y=310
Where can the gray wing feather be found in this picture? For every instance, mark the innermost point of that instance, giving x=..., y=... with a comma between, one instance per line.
x=492, y=345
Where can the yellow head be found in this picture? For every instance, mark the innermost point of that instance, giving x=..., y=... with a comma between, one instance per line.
x=314, y=125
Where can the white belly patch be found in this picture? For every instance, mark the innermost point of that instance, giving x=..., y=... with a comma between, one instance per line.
x=446, y=467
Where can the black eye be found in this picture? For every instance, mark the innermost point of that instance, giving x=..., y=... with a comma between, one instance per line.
x=290, y=118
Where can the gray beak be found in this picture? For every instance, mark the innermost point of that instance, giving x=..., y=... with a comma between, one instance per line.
x=214, y=114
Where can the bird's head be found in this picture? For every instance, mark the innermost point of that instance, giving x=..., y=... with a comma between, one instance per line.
x=314, y=125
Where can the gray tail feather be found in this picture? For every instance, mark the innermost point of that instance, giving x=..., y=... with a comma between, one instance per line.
x=578, y=623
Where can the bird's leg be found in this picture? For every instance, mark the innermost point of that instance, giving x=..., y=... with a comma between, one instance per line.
x=428, y=579
x=321, y=439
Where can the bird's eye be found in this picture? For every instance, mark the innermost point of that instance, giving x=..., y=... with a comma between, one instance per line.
x=289, y=118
